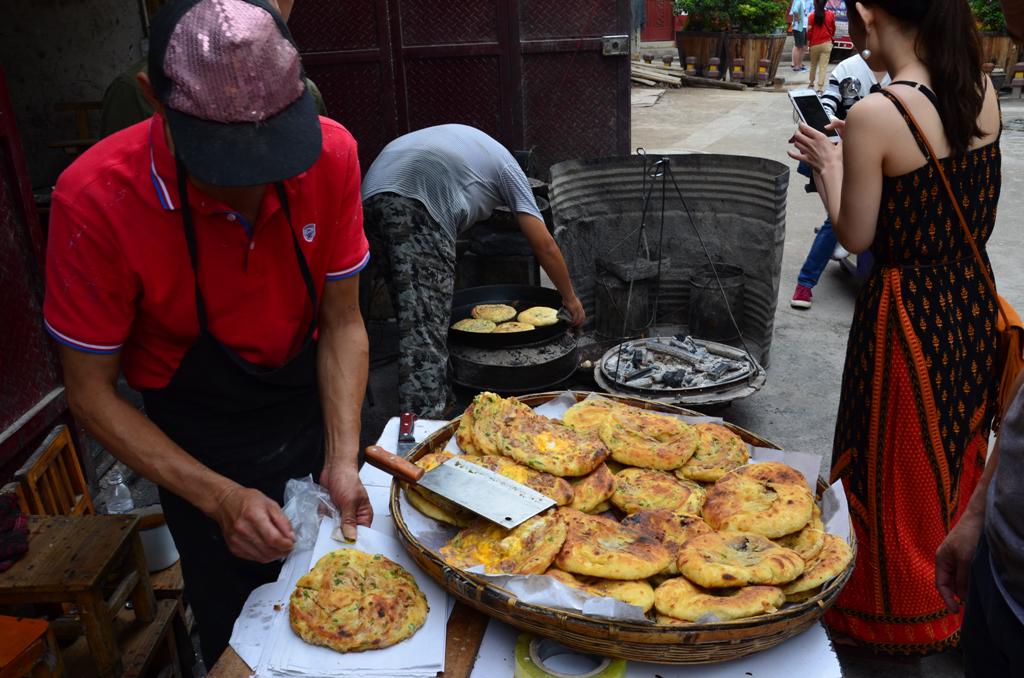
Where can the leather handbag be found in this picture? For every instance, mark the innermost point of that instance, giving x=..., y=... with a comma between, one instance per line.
x=1009, y=329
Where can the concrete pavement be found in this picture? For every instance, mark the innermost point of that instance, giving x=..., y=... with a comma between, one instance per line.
x=797, y=407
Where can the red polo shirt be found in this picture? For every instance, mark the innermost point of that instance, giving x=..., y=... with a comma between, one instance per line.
x=118, y=276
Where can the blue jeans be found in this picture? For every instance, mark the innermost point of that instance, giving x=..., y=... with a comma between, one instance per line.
x=817, y=259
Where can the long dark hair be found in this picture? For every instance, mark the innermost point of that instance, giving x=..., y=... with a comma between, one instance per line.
x=819, y=12
x=948, y=44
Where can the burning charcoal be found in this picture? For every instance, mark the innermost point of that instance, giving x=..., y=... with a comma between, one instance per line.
x=646, y=382
x=638, y=374
x=714, y=367
x=674, y=378
x=639, y=357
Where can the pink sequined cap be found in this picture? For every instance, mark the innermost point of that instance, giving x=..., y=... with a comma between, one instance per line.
x=229, y=62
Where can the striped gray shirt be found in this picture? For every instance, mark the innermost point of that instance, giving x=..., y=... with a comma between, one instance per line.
x=457, y=172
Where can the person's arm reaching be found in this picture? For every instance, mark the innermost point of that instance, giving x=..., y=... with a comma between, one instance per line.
x=954, y=556
x=253, y=525
x=342, y=364
x=550, y=258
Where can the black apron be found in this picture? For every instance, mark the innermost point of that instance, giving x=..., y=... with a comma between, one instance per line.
x=255, y=425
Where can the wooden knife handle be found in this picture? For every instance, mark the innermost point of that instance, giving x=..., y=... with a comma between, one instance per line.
x=393, y=465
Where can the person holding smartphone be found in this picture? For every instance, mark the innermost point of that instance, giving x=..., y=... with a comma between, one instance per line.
x=919, y=383
x=851, y=81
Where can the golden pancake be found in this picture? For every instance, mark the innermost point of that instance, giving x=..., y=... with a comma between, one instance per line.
x=547, y=445
x=496, y=313
x=426, y=507
x=539, y=316
x=803, y=597
x=490, y=412
x=550, y=486
x=600, y=547
x=720, y=451
x=505, y=328
x=730, y=559
x=831, y=562
x=464, y=434
x=647, y=439
x=638, y=593
x=671, y=528
x=528, y=548
x=589, y=414
x=476, y=325
x=353, y=601
x=808, y=541
x=769, y=472
x=603, y=507
x=679, y=599
x=592, y=490
x=740, y=502
x=639, y=489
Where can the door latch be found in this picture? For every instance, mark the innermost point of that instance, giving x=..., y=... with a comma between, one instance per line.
x=614, y=45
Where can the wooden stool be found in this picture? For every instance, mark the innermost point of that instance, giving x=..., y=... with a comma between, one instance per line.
x=93, y=562
x=28, y=648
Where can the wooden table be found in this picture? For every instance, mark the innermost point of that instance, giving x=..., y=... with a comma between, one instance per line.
x=466, y=629
x=76, y=560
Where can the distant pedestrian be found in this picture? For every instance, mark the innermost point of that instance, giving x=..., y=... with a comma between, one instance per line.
x=798, y=12
x=821, y=28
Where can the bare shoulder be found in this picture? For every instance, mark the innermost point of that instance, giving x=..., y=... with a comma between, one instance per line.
x=871, y=114
x=990, y=120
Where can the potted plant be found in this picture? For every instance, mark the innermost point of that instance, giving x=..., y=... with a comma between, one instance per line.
x=703, y=35
x=996, y=46
x=759, y=33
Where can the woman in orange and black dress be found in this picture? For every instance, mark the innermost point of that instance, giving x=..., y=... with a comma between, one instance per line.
x=918, y=385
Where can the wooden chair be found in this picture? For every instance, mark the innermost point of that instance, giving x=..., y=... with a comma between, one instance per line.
x=28, y=648
x=51, y=481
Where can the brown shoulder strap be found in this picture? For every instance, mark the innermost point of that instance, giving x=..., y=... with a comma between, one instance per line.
x=937, y=164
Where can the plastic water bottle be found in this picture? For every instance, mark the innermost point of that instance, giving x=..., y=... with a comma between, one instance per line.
x=120, y=500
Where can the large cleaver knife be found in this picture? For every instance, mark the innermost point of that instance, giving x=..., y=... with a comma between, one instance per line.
x=406, y=439
x=482, y=491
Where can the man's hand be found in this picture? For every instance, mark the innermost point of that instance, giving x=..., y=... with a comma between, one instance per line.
x=953, y=559
x=575, y=308
x=349, y=496
x=253, y=525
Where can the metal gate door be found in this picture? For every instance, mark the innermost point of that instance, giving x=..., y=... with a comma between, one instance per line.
x=531, y=73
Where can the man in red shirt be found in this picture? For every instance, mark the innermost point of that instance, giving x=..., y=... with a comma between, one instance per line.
x=211, y=253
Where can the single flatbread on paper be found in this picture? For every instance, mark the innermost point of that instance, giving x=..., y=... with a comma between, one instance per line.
x=718, y=452
x=638, y=489
x=539, y=316
x=529, y=548
x=592, y=490
x=646, y=439
x=496, y=313
x=476, y=325
x=671, y=528
x=831, y=562
x=547, y=445
x=600, y=547
x=638, y=593
x=507, y=328
x=353, y=601
x=590, y=414
x=731, y=559
x=809, y=541
x=759, y=501
x=679, y=601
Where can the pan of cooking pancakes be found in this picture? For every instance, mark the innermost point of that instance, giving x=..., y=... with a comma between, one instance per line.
x=505, y=316
x=723, y=556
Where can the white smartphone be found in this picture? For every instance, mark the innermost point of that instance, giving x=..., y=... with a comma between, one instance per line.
x=808, y=107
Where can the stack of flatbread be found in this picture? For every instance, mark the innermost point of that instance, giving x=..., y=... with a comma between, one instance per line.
x=651, y=510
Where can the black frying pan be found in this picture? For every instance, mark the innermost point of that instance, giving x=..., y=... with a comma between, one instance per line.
x=519, y=297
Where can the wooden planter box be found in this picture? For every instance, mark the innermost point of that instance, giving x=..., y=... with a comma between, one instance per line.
x=752, y=47
x=1000, y=49
x=700, y=44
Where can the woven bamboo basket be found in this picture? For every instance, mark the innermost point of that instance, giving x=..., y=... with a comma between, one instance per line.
x=691, y=644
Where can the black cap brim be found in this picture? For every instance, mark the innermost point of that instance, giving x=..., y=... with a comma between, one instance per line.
x=248, y=154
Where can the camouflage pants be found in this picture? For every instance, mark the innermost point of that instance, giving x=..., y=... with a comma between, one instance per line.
x=412, y=253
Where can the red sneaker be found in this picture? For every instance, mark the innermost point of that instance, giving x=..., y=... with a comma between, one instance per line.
x=801, y=297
